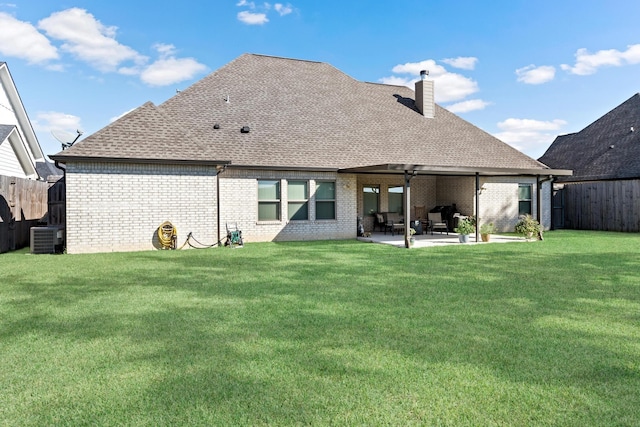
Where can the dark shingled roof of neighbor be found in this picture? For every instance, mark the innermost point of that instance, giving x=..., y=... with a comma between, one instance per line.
x=607, y=149
x=301, y=114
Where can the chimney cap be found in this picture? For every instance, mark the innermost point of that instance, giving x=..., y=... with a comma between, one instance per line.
x=424, y=74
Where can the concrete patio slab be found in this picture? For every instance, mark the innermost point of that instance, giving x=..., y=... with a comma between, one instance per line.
x=436, y=239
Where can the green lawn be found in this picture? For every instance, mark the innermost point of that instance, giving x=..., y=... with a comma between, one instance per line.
x=326, y=333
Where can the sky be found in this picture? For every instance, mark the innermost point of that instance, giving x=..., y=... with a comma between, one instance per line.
x=522, y=71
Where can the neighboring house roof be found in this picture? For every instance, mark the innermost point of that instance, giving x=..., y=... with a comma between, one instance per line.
x=5, y=130
x=19, y=116
x=15, y=159
x=607, y=149
x=49, y=171
x=300, y=114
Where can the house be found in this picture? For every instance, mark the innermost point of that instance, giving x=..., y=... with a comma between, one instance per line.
x=289, y=150
x=23, y=169
x=604, y=191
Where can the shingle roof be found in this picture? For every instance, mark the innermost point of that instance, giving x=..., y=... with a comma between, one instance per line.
x=606, y=149
x=301, y=114
x=5, y=130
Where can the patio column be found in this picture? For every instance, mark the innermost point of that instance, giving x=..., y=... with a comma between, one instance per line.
x=407, y=207
x=538, y=199
x=477, y=204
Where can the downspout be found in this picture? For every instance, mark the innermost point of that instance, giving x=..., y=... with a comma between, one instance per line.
x=219, y=170
x=539, y=183
x=64, y=176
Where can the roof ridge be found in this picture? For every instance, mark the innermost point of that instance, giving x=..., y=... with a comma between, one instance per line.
x=285, y=58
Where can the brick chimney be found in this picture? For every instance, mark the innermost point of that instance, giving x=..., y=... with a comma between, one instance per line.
x=424, y=96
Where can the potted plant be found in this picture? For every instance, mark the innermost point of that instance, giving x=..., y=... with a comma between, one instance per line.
x=486, y=230
x=412, y=239
x=527, y=226
x=465, y=227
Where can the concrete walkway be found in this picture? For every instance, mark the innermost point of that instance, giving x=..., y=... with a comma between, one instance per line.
x=435, y=239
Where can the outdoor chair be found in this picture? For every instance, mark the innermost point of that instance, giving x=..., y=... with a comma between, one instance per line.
x=394, y=223
x=379, y=222
x=437, y=223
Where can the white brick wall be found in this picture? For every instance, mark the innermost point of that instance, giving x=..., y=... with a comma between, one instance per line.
x=119, y=207
x=239, y=193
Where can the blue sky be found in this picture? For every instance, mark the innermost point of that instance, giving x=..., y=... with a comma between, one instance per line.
x=523, y=71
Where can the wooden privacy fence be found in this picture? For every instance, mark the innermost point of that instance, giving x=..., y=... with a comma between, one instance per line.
x=23, y=204
x=603, y=205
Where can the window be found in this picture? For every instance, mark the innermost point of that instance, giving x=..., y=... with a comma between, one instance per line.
x=524, y=199
x=370, y=199
x=395, y=199
x=268, y=200
x=325, y=200
x=298, y=195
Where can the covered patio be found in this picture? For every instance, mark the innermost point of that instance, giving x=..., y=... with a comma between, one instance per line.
x=410, y=171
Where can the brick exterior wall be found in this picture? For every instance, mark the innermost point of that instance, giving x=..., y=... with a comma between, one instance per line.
x=113, y=207
x=119, y=207
x=499, y=201
x=239, y=195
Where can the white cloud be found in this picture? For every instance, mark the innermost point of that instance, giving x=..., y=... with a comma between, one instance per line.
x=466, y=106
x=22, y=40
x=169, y=70
x=251, y=18
x=588, y=63
x=398, y=81
x=47, y=121
x=449, y=86
x=530, y=125
x=282, y=9
x=462, y=62
x=536, y=75
x=529, y=135
x=257, y=14
x=88, y=39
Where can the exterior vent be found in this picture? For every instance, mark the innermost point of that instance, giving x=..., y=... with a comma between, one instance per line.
x=46, y=240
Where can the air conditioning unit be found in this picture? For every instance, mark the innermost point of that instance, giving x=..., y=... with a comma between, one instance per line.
x=46, y=240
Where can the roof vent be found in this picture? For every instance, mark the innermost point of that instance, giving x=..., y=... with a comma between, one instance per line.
x=216, y=126
x=245, y=129
x=632, y=129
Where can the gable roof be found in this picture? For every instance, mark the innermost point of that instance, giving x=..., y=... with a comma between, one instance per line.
x=300, y=114
x=16, y=159
x=21, y=119
x=606, y=149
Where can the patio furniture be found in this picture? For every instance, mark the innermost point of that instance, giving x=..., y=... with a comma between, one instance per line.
x=419, y=214
x=437, y=223
x=379, y=222
x=394, y=223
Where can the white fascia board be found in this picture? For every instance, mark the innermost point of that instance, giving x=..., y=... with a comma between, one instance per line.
x=35, y=151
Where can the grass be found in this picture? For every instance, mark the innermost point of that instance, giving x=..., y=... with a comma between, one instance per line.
x=326, y=333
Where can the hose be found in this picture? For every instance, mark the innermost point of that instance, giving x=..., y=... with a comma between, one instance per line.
x=167, y=235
